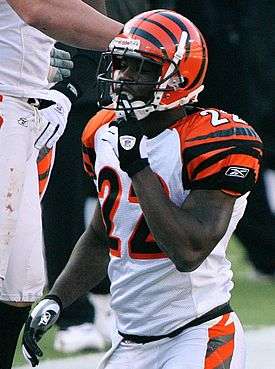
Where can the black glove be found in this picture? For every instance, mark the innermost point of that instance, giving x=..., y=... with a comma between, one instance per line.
x=42, y=317
x=130, y=134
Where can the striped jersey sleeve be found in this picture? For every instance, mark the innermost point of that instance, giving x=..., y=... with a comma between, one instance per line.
x=220, y=151
x=88, y=137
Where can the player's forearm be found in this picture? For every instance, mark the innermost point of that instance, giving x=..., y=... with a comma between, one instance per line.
x=85, y=269
x=70, y=21
x=181, y=233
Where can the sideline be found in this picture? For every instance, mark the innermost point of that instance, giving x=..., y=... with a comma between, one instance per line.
x=260, y=354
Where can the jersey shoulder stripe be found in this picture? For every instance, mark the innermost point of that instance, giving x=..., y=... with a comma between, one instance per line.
x=219, y=151
x=97, y=121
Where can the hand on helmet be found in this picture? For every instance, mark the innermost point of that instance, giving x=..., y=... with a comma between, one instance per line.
x=130, y=138
x=42, y=317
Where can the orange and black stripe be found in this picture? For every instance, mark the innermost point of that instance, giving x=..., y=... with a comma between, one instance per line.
x=89, y=158
x=44, y=166
x=209, y=152
x=161, y=28
x=200, y=76
x=220, y=345
x=163, y=23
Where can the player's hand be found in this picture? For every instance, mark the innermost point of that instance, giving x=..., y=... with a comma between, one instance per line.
x=42, y=317
x=60, y=65
x=130, y=138
x=50, y=122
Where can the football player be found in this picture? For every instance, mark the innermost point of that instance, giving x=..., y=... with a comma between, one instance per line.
x=173, y=181
x=28, y=129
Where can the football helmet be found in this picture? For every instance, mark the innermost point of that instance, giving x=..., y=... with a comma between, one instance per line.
x=163, y=37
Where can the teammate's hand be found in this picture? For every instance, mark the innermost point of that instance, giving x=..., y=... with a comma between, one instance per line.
x=130, y=137
x=60, y=65
x=43, y=317
x=50, y=122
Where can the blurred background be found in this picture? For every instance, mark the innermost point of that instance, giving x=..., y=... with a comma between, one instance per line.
x=241, y=80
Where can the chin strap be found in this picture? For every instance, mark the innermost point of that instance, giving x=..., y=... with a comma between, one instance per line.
x=136, y=108
x=141, y=111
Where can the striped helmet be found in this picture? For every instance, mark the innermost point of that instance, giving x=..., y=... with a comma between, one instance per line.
x=173, y=41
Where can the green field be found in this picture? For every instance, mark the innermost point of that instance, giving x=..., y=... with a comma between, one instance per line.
x=253, y=300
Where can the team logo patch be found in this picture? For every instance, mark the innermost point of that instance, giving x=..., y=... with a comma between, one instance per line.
x=237, y=172
x=127, y=142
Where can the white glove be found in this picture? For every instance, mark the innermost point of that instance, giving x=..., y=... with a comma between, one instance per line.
x=50, y=123
x=41, y=319
x=60, y=65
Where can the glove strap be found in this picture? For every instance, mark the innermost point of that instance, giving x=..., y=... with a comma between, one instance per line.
x=69, y=89
x=56, y=299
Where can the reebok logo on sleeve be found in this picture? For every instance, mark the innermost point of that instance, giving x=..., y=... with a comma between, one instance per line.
x=237, y=172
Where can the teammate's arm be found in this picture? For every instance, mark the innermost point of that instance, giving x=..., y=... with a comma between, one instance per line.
x=189, y=233
x=70, y=21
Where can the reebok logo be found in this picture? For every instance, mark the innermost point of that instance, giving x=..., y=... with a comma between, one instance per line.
x=45, y=318
x=59, y=108
x=237, y=172
x=23, y=122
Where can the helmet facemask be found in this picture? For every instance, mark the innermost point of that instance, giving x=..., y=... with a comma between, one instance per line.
x=135, y=93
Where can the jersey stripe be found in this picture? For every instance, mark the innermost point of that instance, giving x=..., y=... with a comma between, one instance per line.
x=220, y=156
x=89, y=158
x=236, y=131
x=191, y=152
x=221, y=344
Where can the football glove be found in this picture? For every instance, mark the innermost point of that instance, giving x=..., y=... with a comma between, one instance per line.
x=50, y=122
x=41, y=319
x=130, y=137
x=60, y=65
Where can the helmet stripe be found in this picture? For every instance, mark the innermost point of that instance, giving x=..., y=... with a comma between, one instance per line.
x=147, y=36
x=165, y=29
x=182, y=26
x=202, y=67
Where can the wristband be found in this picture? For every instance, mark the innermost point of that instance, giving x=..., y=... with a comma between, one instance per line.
x=56, y=299
x=69, y=89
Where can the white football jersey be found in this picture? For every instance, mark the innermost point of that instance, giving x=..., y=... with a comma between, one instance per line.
x=24, y=56
x=149, y=295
